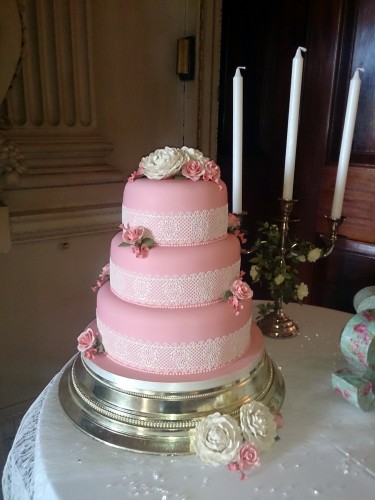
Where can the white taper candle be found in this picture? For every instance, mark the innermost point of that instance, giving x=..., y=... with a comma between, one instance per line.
x=346, y=144
x=293, y=118
x=237, y=141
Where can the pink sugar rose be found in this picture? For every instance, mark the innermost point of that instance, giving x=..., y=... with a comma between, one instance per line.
x=235, y=303
x=248, y=456
x=279, y=420
x=87, y=340
x=140, y=252
x=241, y=290
x=211, y=171
x=193, y=170
x=90, y=353
x=233, y=220
x=132, y=235
x=136, y=174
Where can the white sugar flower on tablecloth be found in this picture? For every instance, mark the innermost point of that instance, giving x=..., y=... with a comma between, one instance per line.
x=258, y=425
x=217, y=439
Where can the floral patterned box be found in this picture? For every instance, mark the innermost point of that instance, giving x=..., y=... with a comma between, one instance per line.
x=354, y=389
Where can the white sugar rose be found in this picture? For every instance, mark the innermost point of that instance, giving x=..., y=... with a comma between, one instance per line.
x=217, y=439
x=194, y=154
x=163, y=163
x=258, y=425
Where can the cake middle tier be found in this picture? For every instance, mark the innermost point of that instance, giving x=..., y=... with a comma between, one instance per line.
x=190, y=340
x=175, y=276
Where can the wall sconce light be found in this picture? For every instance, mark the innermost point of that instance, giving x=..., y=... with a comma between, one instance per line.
x=186, y=58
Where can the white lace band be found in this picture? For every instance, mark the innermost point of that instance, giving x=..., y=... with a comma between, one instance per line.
x=174, y=358
x=173, y=290
x=182, y=228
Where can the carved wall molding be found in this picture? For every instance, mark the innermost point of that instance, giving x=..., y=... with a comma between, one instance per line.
x=68, y=187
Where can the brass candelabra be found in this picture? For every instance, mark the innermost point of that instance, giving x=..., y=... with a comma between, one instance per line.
x=277, y=324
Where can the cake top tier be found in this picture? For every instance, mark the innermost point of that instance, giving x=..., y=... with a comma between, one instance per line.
x=177, y=198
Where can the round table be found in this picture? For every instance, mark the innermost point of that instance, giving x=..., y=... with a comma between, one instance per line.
x=326, y=447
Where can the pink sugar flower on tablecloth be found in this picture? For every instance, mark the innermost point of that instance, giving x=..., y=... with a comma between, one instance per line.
x=279, y=420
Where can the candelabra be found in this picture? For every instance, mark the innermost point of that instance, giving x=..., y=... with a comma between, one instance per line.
x=277, y=324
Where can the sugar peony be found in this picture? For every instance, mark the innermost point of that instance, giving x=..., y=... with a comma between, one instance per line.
x=258, y=425
x=217, y=439
x=164, y=163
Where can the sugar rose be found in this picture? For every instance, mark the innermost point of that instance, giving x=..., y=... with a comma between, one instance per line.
x=86, y=340
x=164, y=163
x=193, y=154
x=258, y=425
x=217, y=439
x=241, y=290
x=132, y=235
x=193, y=170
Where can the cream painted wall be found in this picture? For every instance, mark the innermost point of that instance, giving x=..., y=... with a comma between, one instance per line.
x=45, y=296
x=46, y=301
x=141, y=102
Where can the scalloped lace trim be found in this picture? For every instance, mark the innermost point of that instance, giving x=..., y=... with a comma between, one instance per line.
x=175, y=358
x=174, y=290
x=180, y=228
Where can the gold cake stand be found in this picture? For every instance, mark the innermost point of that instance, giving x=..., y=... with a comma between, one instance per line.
x=153, y=421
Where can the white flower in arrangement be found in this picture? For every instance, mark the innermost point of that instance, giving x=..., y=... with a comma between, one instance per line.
x=217, y=439
x=254, y=273
x=314, y=254
x=163, y=163
x=279, y=279
x=258, y=425
x=302, y=291
x=301, y=258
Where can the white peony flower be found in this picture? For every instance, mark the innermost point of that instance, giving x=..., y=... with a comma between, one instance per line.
x=279, y=279
x=164, y=163
x=258, y=425
x=302, y=291
x=194, y=154
x=314, y=254
x=254, y=272
x=217, y=439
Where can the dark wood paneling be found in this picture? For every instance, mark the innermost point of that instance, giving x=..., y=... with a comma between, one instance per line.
x=339, y=36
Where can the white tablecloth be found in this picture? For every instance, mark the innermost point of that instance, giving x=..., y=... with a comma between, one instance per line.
x=326, y=450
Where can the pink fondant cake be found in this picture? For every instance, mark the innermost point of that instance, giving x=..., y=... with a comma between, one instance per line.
x=175, y=303
x=173, y=363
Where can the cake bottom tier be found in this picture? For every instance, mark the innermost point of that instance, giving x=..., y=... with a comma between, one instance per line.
x=160, y=418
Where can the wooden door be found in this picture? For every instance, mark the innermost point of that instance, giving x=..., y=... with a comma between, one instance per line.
x=339, y=36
